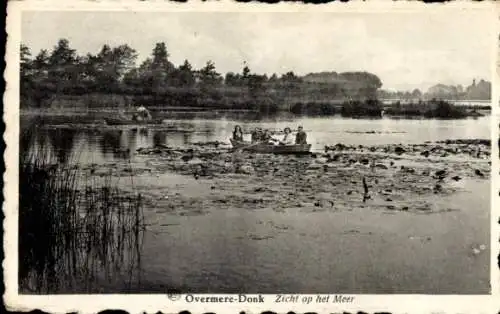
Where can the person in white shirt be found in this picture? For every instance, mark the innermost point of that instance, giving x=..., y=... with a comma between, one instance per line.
x=287, y=138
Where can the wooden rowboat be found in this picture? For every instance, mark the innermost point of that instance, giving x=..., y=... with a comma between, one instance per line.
x=117, y=121
x=272, y=149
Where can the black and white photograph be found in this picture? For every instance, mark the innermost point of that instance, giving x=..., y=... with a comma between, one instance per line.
x=190, y=152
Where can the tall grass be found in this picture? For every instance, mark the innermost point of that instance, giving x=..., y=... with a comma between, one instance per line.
x=74, y=231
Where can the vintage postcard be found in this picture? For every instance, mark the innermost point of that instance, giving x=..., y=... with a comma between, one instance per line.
x=225, y=157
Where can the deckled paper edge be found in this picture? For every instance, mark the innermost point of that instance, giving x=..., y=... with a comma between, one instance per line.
x=154, y=303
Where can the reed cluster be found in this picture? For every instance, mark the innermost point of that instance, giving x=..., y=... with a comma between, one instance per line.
x=74, y=230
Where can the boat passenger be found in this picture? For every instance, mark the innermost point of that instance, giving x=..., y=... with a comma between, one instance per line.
x=301, y=137
x=266, y=136
x=257, y=135
x=287, y=138
x=254, y=136
x=238, y=134
x=143, y=113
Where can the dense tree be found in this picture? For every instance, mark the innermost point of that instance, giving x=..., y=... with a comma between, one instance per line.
x=273, y=78
x=140, y=77
x=369, y=79
x=232, y=79
x=107, y=69
x=25, y=59
x=290, y=77
x=63, y=69
x=246, y=71
x=159, y=60
x=183, y=76
x=416, y=93
x=26, y=65
x=124, y=59
x=26, y=75
x=62, y=54
x=103, y=68
x=35, y=84
x=160, y=68
x=368, y=83
x=208, y=76
x=479, y=91
x=153, y=74
x=256, y=84
x=41, y=61
x=113, y=70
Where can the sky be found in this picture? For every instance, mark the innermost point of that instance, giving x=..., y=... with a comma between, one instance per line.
x=406, y=50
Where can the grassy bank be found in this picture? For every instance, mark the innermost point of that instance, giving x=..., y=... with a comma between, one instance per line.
x=73, y=230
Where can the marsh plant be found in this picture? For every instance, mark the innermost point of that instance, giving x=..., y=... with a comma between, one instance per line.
x=76, y=232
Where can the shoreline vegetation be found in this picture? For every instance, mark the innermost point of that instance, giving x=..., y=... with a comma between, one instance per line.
x=431, y=110
x=63, y=79
x=74, y=230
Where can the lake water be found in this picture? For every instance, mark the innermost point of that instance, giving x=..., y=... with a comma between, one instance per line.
x=94, y=145
x=360, y=250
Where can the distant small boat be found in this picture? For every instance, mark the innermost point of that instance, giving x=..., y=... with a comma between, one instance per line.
x=117, y=121
x=272, y=149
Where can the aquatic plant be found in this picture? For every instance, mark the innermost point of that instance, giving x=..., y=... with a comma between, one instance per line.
x=444, y=110
x=74, y=231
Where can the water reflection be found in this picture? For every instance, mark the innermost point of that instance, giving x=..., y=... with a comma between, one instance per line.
x=185, y=138
x=237, y=258
x=115, y=143
x=144, y=132
x=99, y=145
x=110, y=140
x=63, y=142
x=132, y=138
x=159, y=138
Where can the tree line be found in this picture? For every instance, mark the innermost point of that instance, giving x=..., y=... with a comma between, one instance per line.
x=114, y=70
x=476, y=91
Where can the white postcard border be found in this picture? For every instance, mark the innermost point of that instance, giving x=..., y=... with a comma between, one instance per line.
x=154, y=303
